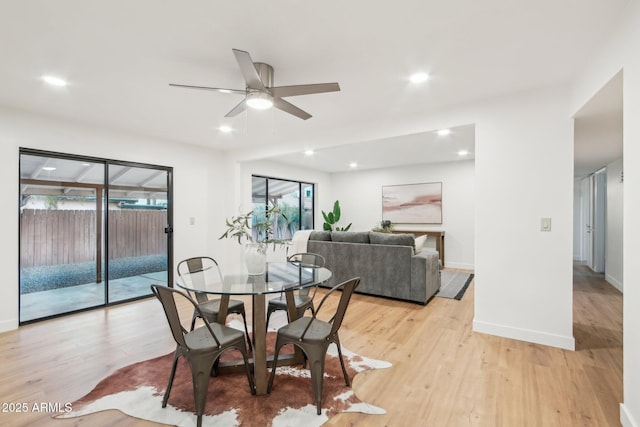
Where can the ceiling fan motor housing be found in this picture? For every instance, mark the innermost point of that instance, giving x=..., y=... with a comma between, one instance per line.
x=265, y=71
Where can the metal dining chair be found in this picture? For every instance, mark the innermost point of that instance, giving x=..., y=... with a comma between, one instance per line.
x=209, y=307
x=201, y=347
x=313, y=337
x=303, y=301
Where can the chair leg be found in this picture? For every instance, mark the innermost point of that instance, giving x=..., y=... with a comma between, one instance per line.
x=176, y=356
x=274, y=365
x=193, y=322
x=316, y=366
x=200, y=372
x=270, y=310
x=246, y=329
x=344, y=369
x=243, y=350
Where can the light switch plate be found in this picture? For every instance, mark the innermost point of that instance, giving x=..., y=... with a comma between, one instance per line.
x=545, y=224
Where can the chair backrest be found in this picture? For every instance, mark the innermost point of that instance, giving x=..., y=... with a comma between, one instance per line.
x=167, y=296
x=307, y=259
x=186, y=269
x=347, y=288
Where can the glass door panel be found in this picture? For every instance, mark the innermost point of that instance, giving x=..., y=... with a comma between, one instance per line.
x=137, y=240
x=306, y=207
x=60, y=236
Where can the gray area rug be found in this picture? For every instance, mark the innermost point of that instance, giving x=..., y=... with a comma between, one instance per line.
x=453, y=284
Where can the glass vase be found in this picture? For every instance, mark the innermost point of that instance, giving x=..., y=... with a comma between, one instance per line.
x=255, y=256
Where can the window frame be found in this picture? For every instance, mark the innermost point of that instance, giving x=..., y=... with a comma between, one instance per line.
x=301, y=196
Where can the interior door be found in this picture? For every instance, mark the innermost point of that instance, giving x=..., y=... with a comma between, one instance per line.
x=599, y=228
x=587, y=213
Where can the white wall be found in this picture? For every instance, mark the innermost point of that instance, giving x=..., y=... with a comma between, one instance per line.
x=617, y=53
x=360, y=196
x=614, y=233
x=198, y=178
x=524, y=171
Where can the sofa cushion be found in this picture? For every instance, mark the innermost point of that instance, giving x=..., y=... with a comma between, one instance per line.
x=377, y=238
x=320, y=236
x=350, y=236
x=419, y=243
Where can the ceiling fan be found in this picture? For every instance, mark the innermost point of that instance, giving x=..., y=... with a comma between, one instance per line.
x=260, y=92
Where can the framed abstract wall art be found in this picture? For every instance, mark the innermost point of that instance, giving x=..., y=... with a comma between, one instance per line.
x=412, y=203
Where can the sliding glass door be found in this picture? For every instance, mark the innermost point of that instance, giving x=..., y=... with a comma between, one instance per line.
x=137, y=239
x=92, y=232
x=60, y=236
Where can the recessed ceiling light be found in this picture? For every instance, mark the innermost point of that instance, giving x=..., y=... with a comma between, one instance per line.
x=54, y=81
x=353, y=165
x=225, y=128
x=48, y=168
x=308, y=153
x=463, y=153
x=419, y=77
x=444, y=132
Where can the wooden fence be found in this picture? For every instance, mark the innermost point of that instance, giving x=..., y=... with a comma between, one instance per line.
x=53, y=237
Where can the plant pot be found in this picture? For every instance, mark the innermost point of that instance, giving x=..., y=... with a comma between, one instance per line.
x=255, y=257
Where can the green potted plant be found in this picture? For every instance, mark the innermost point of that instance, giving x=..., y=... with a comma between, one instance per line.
x=257, y=232
x=331, y=219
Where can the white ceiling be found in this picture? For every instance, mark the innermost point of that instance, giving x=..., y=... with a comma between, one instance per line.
x=119, y=57
x=598, y=129
x=402, y=150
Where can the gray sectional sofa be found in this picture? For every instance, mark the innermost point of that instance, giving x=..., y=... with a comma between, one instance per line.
x=386, y=263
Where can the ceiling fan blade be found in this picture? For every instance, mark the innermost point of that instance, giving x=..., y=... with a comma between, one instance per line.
x=283, y=91
x=237, y=109
x=248, y=70
x=287, y=107
x=217, y=89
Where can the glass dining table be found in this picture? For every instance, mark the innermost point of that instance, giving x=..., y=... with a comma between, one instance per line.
x=234, y=280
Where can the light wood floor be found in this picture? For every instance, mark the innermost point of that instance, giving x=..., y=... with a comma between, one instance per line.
x=443, y=374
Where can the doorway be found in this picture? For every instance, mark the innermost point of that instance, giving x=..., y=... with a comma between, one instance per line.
x=93, y=232
x=598, y=154
x=594, y=226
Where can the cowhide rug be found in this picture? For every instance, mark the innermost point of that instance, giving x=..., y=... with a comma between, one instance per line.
x=137, y=390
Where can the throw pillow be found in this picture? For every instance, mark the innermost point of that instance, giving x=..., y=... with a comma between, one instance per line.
x=420, y=241
x=324, y=236
x=350, y=236
x=377, y=238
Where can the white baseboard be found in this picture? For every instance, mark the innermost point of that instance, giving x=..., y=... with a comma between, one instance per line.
x=536, y=337
x=614, y=282
x=8, y=325
x=460, y=265
x=626, y=418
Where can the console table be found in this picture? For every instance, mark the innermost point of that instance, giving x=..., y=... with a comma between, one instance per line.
x=438, y=234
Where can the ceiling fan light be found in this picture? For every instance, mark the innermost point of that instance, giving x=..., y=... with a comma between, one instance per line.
x=419, y=77
x=54, y=81
x=259, y=100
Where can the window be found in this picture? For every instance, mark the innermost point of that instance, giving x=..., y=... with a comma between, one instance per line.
x=294, y=198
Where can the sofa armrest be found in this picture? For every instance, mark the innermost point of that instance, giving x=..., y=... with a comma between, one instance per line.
x=425, y=275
